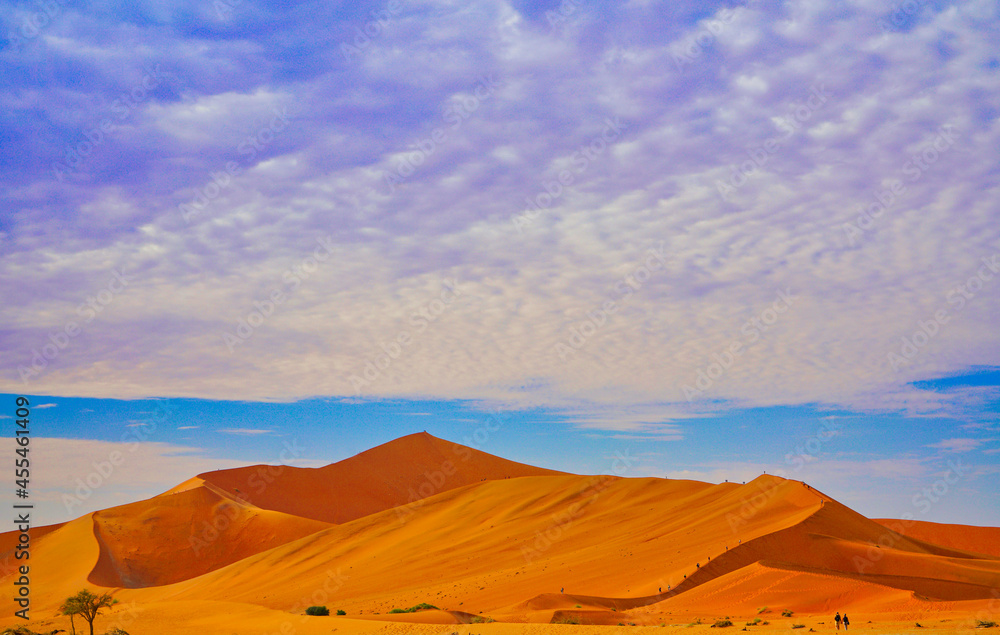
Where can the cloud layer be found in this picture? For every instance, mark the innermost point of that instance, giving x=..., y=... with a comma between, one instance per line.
x=656, y=208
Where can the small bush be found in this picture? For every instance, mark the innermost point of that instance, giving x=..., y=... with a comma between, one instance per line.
x=423, y=606
x=762, y=609
x=317, y=610
x=578, y=606
x=985, y=624
x=569, y=619
x=755, y=622
x=695, y=623
x=764, y=623
x=479, y=619
x=798, y=625
x=117, y=631
x=341, y=612
x=786, y=613
x=919, y=625
x=722, y=623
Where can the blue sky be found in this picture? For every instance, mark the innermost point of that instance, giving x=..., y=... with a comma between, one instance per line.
x=701, y=229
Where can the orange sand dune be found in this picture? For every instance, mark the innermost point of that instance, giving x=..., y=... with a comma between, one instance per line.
x=396, y=473
x=985, y=540
x=529, y=550
x=179, y=536
x=496, y=544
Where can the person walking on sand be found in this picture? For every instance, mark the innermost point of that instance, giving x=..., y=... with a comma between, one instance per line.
x=847, y=622
x=837, y=620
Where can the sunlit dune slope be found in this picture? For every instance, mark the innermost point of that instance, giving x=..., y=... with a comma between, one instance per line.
x=499, y=543
x=984, y=540
x=179, y=536
x=8, y=544
x=395, y=473
x=423, y=520
x=507, y=547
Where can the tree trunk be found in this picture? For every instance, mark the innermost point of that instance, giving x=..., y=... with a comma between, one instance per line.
x=72, y=625
x=91, y=627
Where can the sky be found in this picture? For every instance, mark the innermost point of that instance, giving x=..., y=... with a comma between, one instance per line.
x=721, y=237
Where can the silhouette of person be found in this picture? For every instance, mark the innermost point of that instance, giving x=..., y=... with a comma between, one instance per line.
x=837, y=620
x=659, y=590
x=846, y=622
x=562, y=589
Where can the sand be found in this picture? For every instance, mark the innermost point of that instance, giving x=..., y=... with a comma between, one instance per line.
x=496, y=540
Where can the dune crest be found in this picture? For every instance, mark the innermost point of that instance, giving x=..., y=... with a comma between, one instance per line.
x=421, y=520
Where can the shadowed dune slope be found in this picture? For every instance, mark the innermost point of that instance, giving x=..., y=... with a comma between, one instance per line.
x=499, y=543
x=507, y=547
x=178, y=536
x=418, y=523
x=396, y=473
x=983, y=540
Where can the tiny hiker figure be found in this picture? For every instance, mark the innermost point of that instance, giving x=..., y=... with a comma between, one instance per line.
x=837, y=620
x=846, y=621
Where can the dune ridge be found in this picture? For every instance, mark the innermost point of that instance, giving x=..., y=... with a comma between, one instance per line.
x=497, y=539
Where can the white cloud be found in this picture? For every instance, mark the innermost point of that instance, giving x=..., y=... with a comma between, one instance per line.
x=959, y=444
x=72, y=477
x=885, y=97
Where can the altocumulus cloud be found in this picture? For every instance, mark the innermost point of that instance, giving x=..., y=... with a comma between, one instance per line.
x=742, y=110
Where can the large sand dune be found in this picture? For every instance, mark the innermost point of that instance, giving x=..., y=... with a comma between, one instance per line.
x=413, y=521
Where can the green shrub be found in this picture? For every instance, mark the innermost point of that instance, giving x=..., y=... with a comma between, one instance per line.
x=798, y=625
x=786, y=613
x=569, y=619
x=317, y=610
x=762, y=609
x=985, y=624
x=755, y=622
x=578, y=606
x=480, y=619
x=722, y=623
x=423, y=606
x=341, y=612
